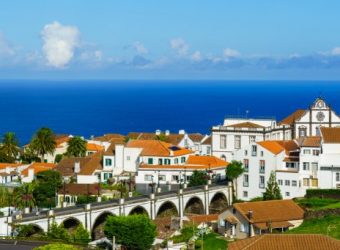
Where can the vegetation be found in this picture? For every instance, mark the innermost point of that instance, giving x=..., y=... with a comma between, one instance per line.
x=328, y=225
x=272, y=190
x=211, y=241
x=162, y=137
x=6, y=197
x=233, y=171
x=57, y=246
x=81, y=235
x=84, y=199
x=58, y=232
x=186, y=234
x=259, y=198
x=317, y=203
x=29, y=155
x=10, y=146
x=198, y=178
x=133, y=231
x=47, y=183
x=323, y=193
x=27, y=231
x=58, y=158
x=24, y=196
x=76, y=147
x=43, y=142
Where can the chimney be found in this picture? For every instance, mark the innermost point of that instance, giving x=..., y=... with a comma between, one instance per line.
x=77, y=167
x=167, y=132
x=250, y=217
x=158, y=132
x=31, y=173
x=181, y=132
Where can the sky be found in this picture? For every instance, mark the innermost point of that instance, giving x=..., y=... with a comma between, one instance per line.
x=152, y=39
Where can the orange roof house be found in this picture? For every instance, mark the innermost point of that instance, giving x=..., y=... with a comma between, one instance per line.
x=94, y=147
x=330, y=135
x=38, y=167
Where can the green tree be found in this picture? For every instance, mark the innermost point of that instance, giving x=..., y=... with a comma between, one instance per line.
x=10, y=145
x=233, y=171
x=43, y=142
x=76, y=147
x=272, y=190
x=24, y=196
x=162, y=137
x=29, y=155
x=58, y=158
x=58, y=232
x=47, y=183
x=133, y=231
x=81, y=235
x=198, y=178
x=5, y=197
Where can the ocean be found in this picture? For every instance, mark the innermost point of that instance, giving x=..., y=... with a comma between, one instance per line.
x=97, y=107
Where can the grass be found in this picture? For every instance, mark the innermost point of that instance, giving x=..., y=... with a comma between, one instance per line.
x=328, y=225
x=212, y=241
x=318, y=203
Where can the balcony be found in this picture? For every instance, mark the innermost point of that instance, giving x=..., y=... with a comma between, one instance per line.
x=253, y=153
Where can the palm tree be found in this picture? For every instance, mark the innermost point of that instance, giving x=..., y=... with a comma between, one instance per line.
x=10, y=145
x=233, y=171
x=76, y=147
x=24, y=196
x=43, y=142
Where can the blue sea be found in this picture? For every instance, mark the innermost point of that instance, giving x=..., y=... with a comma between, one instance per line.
x=97, y=107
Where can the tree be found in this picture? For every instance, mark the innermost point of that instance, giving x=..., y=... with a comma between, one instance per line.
x=233, y=171
x=43, y=142
x=29, y=155
x=133, y=231
x=81, y=235
x=5, y=197
x=198, y=178
x=10, y=145
x=58, y=232
x=272, y=190
x=47, y=184
x=24, y=196
x=76, y=147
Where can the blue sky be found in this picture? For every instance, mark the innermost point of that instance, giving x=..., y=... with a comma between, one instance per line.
x=175, y=39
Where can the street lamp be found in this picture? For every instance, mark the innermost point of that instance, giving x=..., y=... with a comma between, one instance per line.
x=152, y=184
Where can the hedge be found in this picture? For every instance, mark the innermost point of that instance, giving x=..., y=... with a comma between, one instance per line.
x=324, y=193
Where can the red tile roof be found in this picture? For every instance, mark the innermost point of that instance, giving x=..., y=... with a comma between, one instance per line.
x=289, y=120
x=330, y=135
x=38, y=167
x=158, y=148
x=309, y=141
x=246, y=125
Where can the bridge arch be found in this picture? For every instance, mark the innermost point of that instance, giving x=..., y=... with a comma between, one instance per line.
x=97, y=231
x=139, y=210
x=218, y=203
x=168, y=208
x=194, y=206
x=71, y=223
x=32, y=230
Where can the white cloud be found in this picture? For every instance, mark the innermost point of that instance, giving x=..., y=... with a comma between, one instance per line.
x=196, y=56
x=5, y=48
x=230, y=53
x=59, y=43
x=140, y=48
x=336, y=51
x=180, y=46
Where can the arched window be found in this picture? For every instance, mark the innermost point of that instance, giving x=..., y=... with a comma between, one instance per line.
x=223, y=157
x=302, y=131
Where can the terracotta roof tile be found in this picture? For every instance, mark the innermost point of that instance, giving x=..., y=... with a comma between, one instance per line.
x=207, y=141
x=38, y=167
x=274, y=211
x=94, y=147
x=330, y=135
x=309, y=141
x=289, y=120
x=245, y=125
x=158, y=148
x=286, y=242
x=174, y=139
x=108, y=137
x=80, y=189
x=11, y=165
x=198, y=219
x=277, y=147
x=211, y=161
x=196, y=137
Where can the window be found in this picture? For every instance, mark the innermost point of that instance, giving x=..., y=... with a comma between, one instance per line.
x=237, y=141
x=261, y=153
x=128, y=158
x=253, y=150
x=176, y=160
x=302, y=131
x=294, y=183
x=175, y=178
x=245, y=180
x=280, y=182
x=160, y=161
x=306, y=182
x=246, y=165
x=317, y=131
x=252, y=139
x=287, y=182
x=245, y=152
x=150, y=161
x=306, y=151
x=182, y=159
x=108, y=162
x=316, y=152
x=261, y=181
x=287, y=194
x=245, y=194
x=161, y=177
x=262, y=166
x=314, y=166
x=166, y=161
x=208, y=150
x=306, y=166
x=223, y=141
x=244, y=227
x=148, y=177
x=315, y=182
x=337, y=176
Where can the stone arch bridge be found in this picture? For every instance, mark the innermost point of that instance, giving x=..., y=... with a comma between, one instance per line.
x=196, y=200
